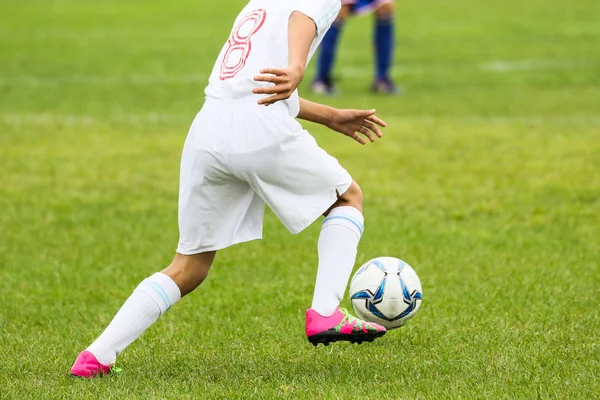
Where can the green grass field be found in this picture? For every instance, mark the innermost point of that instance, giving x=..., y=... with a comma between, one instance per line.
x=487, y=182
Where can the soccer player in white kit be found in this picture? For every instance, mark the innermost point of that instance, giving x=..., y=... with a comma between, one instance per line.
x=244, y=149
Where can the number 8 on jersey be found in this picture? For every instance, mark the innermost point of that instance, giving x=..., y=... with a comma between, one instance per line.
x=239, y=44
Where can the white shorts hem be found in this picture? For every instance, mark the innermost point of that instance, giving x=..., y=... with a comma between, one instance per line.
x=319, y=209
x=216, y=247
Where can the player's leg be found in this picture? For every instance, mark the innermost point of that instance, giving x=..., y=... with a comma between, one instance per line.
x=189, y=271
x=215, y=211
x=338, y=242
x=341, y=231
x=153, y=297
x=323, y=82
x=300, y=182
x=384, y=42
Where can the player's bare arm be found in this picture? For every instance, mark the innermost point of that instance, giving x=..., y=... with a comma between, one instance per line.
x=301, y=32
x=347, y=122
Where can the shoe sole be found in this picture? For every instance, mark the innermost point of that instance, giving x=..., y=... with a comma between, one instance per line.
x=93, y=376
x=331, y=337
x=72, y=375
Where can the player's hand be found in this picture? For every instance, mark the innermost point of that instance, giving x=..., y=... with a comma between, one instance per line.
x=353, y=122
x=285, y=81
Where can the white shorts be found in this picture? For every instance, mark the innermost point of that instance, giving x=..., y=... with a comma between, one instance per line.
x=237, y=157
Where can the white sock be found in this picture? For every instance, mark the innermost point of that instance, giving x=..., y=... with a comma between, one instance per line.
x=338, y=242
x=152, y=298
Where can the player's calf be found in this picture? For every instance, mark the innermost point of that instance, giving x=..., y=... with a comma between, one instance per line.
x=151, y=299
x=189, y=271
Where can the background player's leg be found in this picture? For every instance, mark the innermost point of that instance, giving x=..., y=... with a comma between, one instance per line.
x=152, y=298
x=384, y=41
x=338, y=243
x=323, y=81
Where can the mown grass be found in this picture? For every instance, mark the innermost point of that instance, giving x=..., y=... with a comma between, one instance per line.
x=487, y=182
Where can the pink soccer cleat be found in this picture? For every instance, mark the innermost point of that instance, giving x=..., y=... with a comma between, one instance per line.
x=340, y=326
x=87, y=366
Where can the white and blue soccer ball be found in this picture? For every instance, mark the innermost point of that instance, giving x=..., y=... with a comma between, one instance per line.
x=386, y=291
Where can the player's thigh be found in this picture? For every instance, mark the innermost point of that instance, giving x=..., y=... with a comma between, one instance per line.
x=216, y=209
x=298, y=180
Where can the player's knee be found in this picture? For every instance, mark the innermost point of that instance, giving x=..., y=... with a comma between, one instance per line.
x=385, y=10
x=353, y=196
x=195, y=268
x=189, y=271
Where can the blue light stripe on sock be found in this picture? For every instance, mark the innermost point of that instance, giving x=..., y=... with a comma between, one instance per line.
x=356, y=222
x=161, y=292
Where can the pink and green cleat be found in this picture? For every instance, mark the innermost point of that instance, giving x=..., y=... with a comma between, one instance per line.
x=340, y=326
x=87, y=366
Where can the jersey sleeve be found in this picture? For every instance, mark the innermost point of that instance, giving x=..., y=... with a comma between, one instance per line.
x=323, y=12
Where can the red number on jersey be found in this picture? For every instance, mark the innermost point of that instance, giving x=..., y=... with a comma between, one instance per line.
x=239, y=44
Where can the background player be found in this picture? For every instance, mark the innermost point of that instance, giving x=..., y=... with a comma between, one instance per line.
x=240, y=155
x=383, y=39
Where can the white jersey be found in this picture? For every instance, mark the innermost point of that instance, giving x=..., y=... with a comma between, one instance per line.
x=259, y=39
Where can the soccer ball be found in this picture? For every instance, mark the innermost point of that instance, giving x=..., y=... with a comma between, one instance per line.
x=386, y=291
